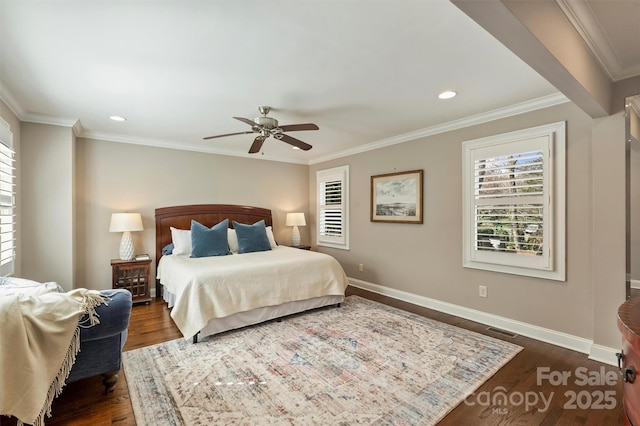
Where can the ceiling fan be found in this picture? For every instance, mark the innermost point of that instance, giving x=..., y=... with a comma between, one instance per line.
x=268, y=126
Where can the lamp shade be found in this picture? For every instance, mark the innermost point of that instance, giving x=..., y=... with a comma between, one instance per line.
x=122, y=222
x=295, y=219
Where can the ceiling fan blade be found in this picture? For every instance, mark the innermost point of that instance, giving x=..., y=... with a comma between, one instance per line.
x=295, y=142
x=257, y=144
x=246, y=120
x=296, y=127
x=228, y=134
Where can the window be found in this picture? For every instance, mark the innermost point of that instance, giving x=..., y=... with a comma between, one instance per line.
x=333, y=200
x=514, y=202
x=7, y=202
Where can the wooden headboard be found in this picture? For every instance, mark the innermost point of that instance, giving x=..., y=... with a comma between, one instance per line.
x=207, y=214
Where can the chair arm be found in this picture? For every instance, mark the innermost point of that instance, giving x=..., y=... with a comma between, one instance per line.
x=113, y=315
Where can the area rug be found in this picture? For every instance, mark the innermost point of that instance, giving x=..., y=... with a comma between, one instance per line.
x=363, y=363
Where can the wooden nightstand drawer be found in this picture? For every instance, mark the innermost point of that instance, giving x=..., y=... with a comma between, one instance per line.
x=132, y=275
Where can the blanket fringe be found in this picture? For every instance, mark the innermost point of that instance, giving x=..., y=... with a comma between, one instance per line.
x=90, y=301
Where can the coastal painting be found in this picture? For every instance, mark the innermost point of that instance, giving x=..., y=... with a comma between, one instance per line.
x=397, y=197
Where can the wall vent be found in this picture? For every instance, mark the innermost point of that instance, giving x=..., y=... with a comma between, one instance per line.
x=503, y=332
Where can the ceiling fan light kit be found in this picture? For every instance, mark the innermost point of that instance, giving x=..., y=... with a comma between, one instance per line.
x=268, y=126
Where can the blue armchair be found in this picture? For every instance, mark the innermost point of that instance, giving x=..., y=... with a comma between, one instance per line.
x=101, y=345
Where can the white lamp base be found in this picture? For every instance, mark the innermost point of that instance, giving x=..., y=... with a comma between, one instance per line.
x=126, y=246
x=295, y=237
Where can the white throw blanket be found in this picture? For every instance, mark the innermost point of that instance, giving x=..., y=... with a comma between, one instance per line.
x=39, y=341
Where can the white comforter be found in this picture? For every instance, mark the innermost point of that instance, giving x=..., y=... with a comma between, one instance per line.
x=215, y=287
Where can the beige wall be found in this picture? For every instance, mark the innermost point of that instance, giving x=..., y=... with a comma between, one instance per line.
x=115, y=177
x=426, y=259
x=47, y=191
x=70, y=188
x=608, y=259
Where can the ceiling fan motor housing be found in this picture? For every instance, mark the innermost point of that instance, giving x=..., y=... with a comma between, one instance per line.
x=267, y=122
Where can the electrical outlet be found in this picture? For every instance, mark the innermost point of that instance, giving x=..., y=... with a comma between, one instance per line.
x=361, y=267
x=482, y=291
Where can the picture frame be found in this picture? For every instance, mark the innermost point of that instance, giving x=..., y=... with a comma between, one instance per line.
x=397, y=197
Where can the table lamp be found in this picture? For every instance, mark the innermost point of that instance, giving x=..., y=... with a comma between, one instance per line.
x=295, y=220
x=126, y=223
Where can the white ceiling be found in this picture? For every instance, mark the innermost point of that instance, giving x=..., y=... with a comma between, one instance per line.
x=366, y=72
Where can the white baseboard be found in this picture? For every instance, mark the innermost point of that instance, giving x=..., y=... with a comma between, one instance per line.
x=635, y=284
x=596, y=352
x=604, y=354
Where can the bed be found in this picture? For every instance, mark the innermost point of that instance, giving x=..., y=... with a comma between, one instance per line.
x=211, y=295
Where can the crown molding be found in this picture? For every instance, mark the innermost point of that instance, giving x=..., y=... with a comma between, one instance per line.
x=584, y=21
x=159, y=143
x=77, y=128
x=22, y=115
x=8, y=98
x=485, y=117
x=48, y=119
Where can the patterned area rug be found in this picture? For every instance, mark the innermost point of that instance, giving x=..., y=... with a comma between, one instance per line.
x=363, y=363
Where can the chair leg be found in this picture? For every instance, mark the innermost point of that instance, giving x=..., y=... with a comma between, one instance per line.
x=109, y=381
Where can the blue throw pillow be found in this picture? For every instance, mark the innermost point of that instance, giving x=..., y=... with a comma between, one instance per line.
x=167, y=250
x=252, y=237
x=209, y=241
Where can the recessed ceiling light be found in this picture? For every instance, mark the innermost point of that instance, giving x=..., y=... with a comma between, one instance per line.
x=447, y=95
x=117, y=118
x=295, y=147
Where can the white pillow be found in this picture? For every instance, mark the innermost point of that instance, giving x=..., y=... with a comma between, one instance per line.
x=232, y=238
x=181, y=239
x=272, y=239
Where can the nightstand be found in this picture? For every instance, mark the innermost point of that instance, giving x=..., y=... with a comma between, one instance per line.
x=301, y=247
x=132, y=275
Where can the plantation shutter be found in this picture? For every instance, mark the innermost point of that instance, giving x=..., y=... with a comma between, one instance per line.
x=514, y=202
x=331, y=214
x=7, y=203
x=332, y=207
x=509, y=203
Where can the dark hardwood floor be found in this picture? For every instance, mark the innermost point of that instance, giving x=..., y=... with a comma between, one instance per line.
x=83, y=402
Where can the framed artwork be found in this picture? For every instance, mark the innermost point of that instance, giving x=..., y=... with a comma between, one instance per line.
x=397, y=197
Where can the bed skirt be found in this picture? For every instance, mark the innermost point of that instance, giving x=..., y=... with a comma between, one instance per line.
x=258, y=315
